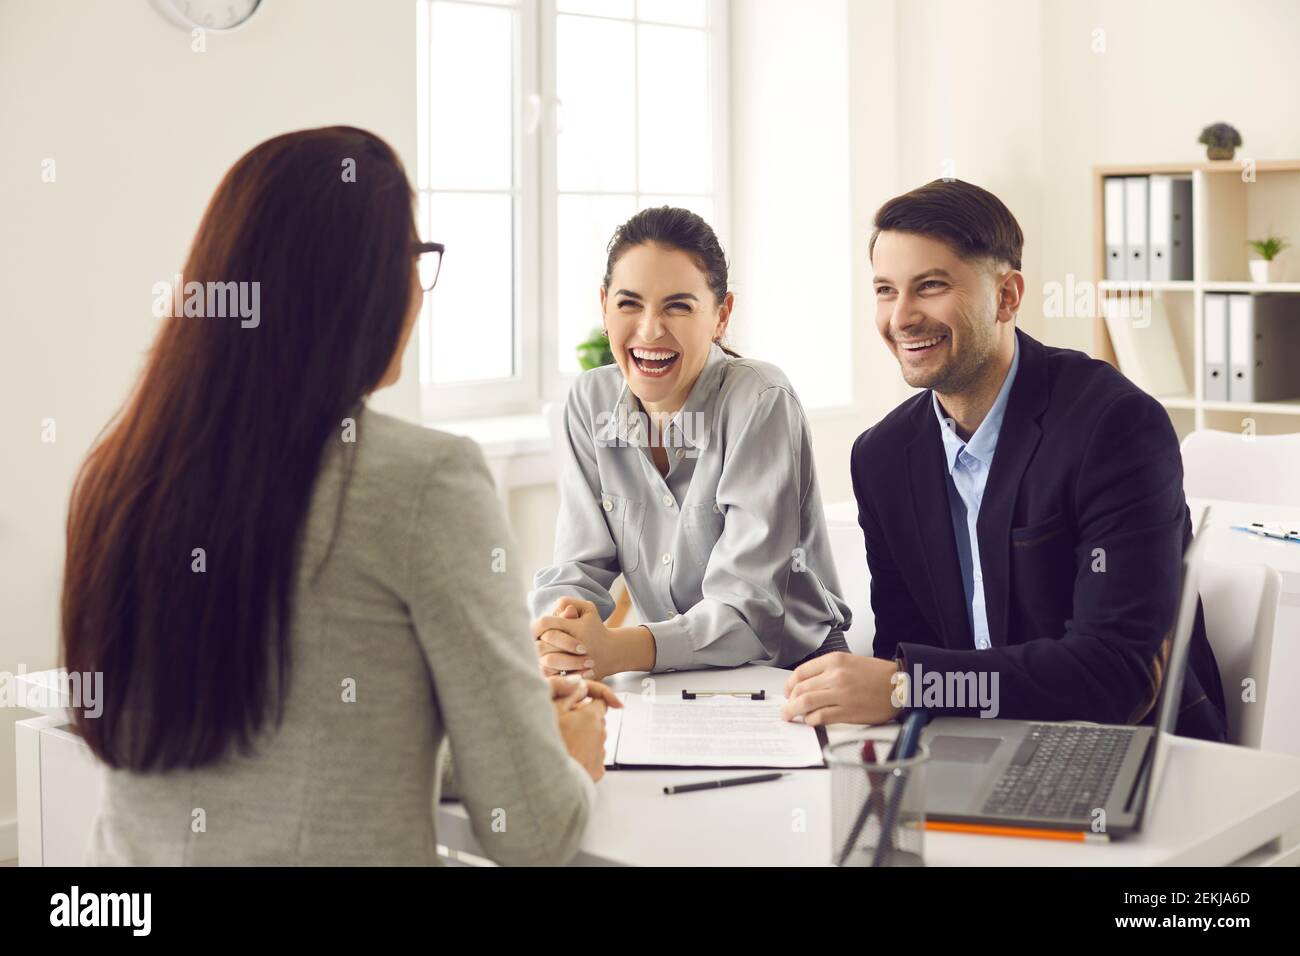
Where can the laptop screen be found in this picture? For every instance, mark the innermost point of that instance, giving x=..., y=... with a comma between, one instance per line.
x=1171, y=690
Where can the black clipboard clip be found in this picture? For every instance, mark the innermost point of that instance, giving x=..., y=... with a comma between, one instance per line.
x=746, y=694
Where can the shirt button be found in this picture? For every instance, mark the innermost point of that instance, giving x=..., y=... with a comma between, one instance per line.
x=716, y=509
x=667, y=559
x=979, y=576
x=680, y=452
x=668, y=500
x=607, y=505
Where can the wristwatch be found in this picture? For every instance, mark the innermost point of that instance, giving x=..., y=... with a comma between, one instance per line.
x=901, y=695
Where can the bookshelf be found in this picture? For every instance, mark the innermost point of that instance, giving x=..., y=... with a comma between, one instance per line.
x=1226, y=211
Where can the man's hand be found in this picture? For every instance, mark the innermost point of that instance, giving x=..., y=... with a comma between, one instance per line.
x=841, y=689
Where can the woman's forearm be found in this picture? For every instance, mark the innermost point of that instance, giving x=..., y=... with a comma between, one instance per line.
x=636, y=648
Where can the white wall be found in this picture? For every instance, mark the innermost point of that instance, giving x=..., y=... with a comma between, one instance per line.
x=141, y=129
x=970, y=105
x=1170, y=68
x=790, y=224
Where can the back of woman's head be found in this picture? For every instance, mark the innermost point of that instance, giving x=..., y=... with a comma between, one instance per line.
x=185, y=522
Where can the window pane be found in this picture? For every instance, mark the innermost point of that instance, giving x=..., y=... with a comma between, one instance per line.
x=586, y=224
x=472, y=306
x=675, y=135
x=471, y=96
x=596, y=149
x=599, y=8
x=690, y=13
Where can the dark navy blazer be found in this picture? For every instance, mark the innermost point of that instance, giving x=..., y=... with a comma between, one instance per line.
x=1085, y=460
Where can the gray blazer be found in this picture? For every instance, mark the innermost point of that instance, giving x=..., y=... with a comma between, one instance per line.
x=409, y=629
x=727, y=558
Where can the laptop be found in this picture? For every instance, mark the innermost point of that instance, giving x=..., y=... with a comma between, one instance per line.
x=1055, y=775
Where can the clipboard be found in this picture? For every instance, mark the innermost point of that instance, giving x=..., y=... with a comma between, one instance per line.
x=728, y=739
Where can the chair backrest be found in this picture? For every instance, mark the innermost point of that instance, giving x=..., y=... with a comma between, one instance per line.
x=1240, y=602
x=850, y=557
x=1264, y=469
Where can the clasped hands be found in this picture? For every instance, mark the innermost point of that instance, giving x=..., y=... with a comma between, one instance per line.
x=573, y=639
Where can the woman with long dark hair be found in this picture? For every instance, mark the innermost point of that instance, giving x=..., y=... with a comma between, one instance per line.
x=294, y=600
x=688, y=470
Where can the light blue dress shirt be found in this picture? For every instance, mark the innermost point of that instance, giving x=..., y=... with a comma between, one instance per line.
x=969, y=463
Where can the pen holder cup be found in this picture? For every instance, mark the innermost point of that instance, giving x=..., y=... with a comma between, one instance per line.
x=874, y=804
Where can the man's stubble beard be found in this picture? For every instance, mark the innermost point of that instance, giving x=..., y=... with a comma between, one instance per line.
x=962, y=373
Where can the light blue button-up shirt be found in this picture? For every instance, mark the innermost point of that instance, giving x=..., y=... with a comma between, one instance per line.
x=969, y=463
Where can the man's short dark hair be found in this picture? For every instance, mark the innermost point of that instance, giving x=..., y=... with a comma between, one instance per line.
x=971, y=221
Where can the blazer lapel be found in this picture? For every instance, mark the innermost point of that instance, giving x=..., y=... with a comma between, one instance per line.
x=1017, y=440
x=927, y=479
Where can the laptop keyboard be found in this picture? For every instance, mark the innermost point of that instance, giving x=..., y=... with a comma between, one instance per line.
x=1063, y=772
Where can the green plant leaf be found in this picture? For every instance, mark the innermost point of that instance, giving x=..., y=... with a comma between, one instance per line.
x=1269, y=247
x=594, y=352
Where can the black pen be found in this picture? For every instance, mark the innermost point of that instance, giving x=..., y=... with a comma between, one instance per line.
x=905, y=747
x=730, y=782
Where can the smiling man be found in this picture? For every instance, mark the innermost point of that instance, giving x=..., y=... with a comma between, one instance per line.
x=1024, y=515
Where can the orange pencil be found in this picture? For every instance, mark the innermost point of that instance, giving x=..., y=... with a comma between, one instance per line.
x=985, y=829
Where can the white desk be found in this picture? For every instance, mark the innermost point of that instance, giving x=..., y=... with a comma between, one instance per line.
x=1218, y=805
x=1236, y=547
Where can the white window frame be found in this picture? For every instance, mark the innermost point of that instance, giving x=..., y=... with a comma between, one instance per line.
x=538, y=379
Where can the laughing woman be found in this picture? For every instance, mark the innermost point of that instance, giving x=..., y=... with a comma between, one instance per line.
x=689, y=471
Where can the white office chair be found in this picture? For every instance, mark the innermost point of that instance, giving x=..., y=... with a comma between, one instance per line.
x=1264, y=470
x=850, y=557
x=1240, y=603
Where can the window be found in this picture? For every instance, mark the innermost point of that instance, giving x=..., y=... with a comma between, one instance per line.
x=542, y=125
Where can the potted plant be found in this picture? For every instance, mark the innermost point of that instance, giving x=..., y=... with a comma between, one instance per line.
x=1267, y=249
x=1220, y=140
x=595, y=352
